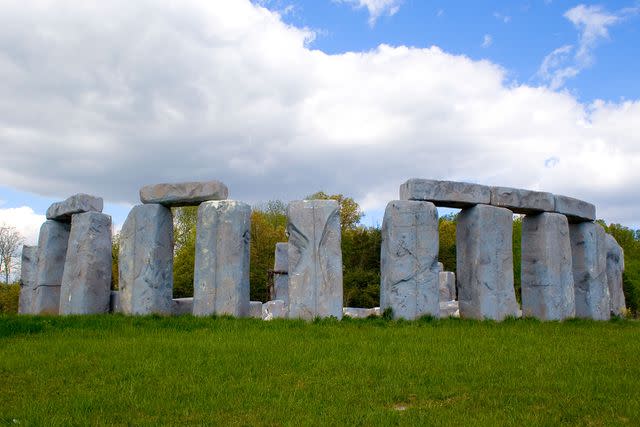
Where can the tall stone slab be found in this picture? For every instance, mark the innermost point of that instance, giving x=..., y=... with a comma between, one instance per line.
x=146, y=261
x=281, y=273
x=409, y=271
x=86, y=281
x=615, y=268
x=447, y=281
x=221, y=276
x=546, y=267
x=52, y=251
x=589, y=256
x=315, y=259
x=485, y=263
x=28, y=274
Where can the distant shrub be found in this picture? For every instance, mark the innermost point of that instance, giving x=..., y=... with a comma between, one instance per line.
x=9, y=296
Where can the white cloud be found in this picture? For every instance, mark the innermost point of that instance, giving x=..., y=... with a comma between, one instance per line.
x=504, y=18
x=104, y=97
x=487, y=40
x=25, y=221
x=376, y=8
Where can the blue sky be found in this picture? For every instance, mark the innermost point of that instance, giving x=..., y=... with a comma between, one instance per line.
x=281, y=98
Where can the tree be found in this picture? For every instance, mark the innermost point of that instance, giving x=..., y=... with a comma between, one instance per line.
x=350, y=213
x=10, y=242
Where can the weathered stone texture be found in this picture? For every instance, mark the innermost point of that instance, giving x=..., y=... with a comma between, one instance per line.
x=615, y=268
x=255, y=309
x=221, y=277
x=146, y=261
x=281, y=276
x=485, y=263
x=445, y=193
x=546, y=267
x=360, y=313
x=78, y=203
x=522, y=201
x=589, y=256
x=52, y=251
x=273, y=310
x=184, y=193
x=447, y=280
x=315, y=259
x=409, y=270
x=86, y=281
x=575, y=210
x=182, y=306
x=28, y=274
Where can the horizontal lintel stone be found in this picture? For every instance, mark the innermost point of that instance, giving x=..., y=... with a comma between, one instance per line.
x=78, y=203
x=522, y=201
x=449, y=194
x=184, y=193
x=576, y=210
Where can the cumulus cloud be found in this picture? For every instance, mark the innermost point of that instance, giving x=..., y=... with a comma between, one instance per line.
x=25, y=221
x=104, y=97
x=376, y=8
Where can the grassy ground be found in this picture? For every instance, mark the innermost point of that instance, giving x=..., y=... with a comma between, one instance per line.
x=123, y=370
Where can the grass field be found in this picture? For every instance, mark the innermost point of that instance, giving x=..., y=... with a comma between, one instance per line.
x=222, y=371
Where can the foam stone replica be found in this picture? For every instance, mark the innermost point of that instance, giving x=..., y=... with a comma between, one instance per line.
x=445, y=193
x=575, y=210
x=281, y=275
x=78, y=203
x=315, y=259
x=447, y=281
x=182, y=306
x=485, y=263
x=546, y=267
x=273, y=310
x=255, y=309
x=615, y=268
x=28, y=274
x=86, y=281
x=409, y=270
x=589, y=256
x=52, y=251
x=522, y=201
x=183, y=194
x=221, y=276
x=146, y=261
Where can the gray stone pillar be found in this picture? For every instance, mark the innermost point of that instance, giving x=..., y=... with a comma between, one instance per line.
x=255, y=309
x=221, y=276
x=447, y=285
x=589, y=253
x=485, y=263
x=546, y=268
x=86, y=281
x=281, y=274
x=146, y=261
x=52, y=250
x=315, y=259
x=28, y=274
x=615, y=268
x=409, y=271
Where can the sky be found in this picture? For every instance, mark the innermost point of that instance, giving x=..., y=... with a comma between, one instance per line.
x=280, y=99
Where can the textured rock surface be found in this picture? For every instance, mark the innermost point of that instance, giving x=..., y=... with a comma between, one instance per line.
x=52, y=251
x=315, y=259
x=576, y=210
x=485, y=263
x=447, y=280
x=146, y=261
x=409, y=272
x=449, y=309
x=114, y=302
x=28, y=274
x=360, y=313
x=273, y=310
x=78, y=203
x=615, y=268
x=546, y=267
x=281, y=276
x=182, y=306
x=589, y=250
x=255, y=309
x=184, y=193
x=221, y=275
x=522, y=201
x=440, y=266
x=445, y=193
x=86, y=281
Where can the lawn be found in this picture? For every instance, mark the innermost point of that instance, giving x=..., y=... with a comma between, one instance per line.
x=147, y=371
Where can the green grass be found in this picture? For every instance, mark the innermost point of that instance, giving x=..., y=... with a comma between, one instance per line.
x=149, y=371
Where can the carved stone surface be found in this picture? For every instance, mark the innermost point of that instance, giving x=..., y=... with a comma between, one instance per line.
x=522, y=201
x=315, y=259
x=445, y=193
x=183, y=193
x=28, y=274
x=447, y=280
x=360, y=313
x=255, y=309
x=146, y=261
x=281, y=276
x=182, y=306
x=409, y=271
x=273, y=310
x=221, y=275
x=485, y=263
x=546, y=267
x=86, y=281
x=52, y=251
x=78, y=203
x=615, y=268
x=589, y=253
x=114, y=302
x=576, y=210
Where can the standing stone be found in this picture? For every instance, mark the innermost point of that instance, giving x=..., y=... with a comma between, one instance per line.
x=182, y=306
x=546, y=267
x=589, y=253
x=409, y=270
x=114, y=302
x=615, y=268
x=315, y=259
x=485, y=263
x=78, y=203
x=255, y=309
x=273, y=310
x=52, y=250
x=146, y=261
x=221, y=276
x=447, y=285
x=28, y=273
x=281, y=273
x=86, y=281
x=440, y=266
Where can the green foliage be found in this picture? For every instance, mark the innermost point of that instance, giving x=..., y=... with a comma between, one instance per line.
x=517, y=256
x=447, y=233
x=361, y=261
x=115, y=251
x=350, y=213
x=268, y=225
x=9, y=298
x=184, y=234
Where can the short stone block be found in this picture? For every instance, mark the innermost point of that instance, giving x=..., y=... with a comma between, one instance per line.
x=449, y=309
x=615, y=268
x=522, y=201
x=78, y=203
x=255, y=309
x=273, y=310
x=447, y=280
x=184, y=193
x=360, y=313
x=182, y=306
x=575, y=210
x=281, y=276
x=445, y=193
x=28, y=274
x=52, y=251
